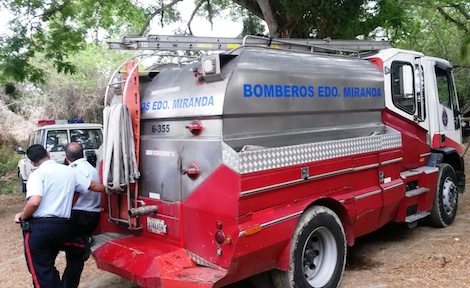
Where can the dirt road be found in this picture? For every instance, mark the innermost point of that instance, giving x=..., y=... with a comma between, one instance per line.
x=394, y=256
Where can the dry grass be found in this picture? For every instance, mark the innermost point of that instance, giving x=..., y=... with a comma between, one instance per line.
x=13, y=126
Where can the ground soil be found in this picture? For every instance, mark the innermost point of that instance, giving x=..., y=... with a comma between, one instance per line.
x=394, y=256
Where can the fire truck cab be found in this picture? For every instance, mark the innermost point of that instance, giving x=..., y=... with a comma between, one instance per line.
x=271, y=157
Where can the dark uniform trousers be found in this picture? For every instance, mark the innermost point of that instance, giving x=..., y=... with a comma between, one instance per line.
x=43, y=238
x=82, y=224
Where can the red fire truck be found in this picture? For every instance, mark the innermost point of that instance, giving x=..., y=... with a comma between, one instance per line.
x=270, y=157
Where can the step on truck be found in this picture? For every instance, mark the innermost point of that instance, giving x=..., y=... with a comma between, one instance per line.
x=270, y=157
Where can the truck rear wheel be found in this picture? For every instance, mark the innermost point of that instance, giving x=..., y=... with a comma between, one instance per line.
x=318, y=252
x=445, y=204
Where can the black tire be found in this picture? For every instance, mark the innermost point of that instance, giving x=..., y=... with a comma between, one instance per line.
x=446, y=200
x=22, y=184
x=318, y=252
x=262, y=280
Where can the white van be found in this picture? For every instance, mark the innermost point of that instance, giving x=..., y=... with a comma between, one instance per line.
x=54, y=135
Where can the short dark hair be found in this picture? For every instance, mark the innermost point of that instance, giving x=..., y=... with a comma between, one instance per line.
x=36, y=152
x=74, y=151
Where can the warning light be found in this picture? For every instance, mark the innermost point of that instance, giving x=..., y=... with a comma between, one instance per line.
x=44, y=122
x=73, y=121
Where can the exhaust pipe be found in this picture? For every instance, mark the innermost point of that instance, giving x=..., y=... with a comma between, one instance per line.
x=142, y=210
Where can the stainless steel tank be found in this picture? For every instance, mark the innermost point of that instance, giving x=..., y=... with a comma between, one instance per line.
x=255, y=99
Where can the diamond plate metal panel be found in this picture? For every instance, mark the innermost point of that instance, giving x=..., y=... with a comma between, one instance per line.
x=230, y=158
x=260, y=160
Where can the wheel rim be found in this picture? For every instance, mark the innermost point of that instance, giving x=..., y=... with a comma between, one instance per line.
x=449, y=196
x=319, y=257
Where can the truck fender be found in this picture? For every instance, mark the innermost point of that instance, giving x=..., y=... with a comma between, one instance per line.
x=450, y=156
x=344, y=216
x=283, y=263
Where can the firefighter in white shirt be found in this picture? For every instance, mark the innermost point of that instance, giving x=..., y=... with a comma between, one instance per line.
x=85, y=217
x=44, y=219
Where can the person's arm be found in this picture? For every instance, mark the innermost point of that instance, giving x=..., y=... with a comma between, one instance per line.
x=31, y=206
x=96, y=187
x=83, y=184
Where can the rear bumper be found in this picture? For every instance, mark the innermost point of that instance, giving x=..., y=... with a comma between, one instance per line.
x=151, y=263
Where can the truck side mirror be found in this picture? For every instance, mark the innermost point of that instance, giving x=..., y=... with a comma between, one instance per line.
x=465, y=126
x=457, y=120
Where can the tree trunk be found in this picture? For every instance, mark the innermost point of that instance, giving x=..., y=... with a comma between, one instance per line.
x=269, y=17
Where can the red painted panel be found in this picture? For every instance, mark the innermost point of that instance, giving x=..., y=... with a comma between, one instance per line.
x=391, y=171
x=394, y=193
x=214, y=200
x=436, y=143
x=368, y=212
x=170, y=212
x=364, y=181
x=413, y=138
x=429, y=181
x=151, y=263
x=313, y=189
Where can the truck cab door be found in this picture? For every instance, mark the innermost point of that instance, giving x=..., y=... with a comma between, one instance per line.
x=408, y=104
x=447, y=109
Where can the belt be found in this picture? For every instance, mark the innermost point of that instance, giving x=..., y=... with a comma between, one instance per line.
x=58, y=220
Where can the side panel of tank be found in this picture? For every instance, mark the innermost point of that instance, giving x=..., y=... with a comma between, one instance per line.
x=277, y=98
x=176, y=92
x=167, y=150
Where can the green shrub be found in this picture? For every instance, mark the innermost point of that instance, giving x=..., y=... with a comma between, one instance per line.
x=8, y=160
x=10, y=186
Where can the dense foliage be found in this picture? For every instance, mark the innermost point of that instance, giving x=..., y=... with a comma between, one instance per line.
x=45, y=35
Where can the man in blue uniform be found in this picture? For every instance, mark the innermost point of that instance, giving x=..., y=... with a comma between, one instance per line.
x=85, y=218
x=50, y=191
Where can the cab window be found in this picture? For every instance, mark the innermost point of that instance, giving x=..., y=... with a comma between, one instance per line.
x=88, y=138
x=34, y=138
x=402, y=79
x=37, y=137
x=56, y=140
x=445, y=87
x=31, y=139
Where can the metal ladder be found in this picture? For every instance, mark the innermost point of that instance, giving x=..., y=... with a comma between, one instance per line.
x=195, y=43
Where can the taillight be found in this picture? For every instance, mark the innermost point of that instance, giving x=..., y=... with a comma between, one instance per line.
x=219, y=237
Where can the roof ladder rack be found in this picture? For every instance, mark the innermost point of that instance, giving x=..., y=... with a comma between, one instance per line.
x=195, y=43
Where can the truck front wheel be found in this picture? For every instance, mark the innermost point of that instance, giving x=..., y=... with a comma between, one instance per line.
x=318, y=252
x=445, y=204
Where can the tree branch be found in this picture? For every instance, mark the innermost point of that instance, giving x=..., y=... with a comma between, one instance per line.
x=446, y=16
x=151, y=16
x=198, y=5
x=251, y=5
x=462, y=11
x=52, y=10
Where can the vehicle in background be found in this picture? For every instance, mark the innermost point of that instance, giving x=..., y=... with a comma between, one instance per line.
x=54, y=135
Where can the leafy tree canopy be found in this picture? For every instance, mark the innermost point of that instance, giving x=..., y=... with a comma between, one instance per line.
x=56, y=29
x=59, y=28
